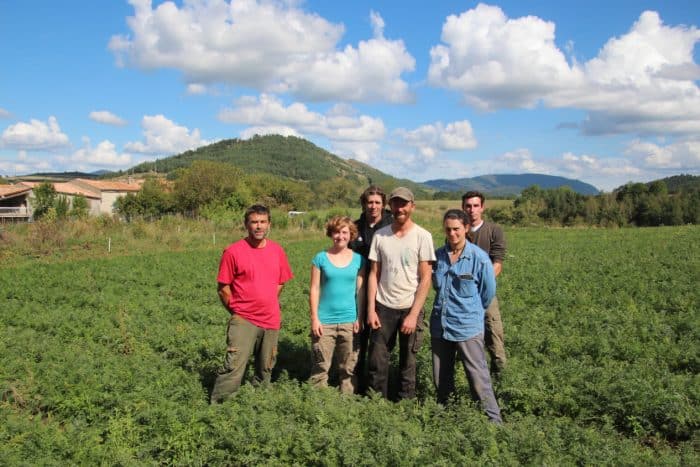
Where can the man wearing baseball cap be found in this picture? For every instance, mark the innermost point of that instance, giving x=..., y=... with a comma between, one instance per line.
x=398, y=284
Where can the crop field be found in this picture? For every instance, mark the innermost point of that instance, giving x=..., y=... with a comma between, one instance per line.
x=108, y=359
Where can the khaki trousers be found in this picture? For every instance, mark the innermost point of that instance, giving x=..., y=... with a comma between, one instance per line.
x=493, y=336
x=338, y=340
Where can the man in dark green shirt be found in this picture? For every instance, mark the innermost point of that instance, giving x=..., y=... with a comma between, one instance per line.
x=489, y=237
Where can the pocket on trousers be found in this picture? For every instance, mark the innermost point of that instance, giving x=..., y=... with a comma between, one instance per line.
x=417, y=339
x=231, y=354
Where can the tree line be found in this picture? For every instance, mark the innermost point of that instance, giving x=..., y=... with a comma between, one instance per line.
x=218, y=191
x=636, y=204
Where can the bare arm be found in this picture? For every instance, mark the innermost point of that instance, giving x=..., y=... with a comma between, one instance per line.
x=372, y=281
x=425, y=271
x=314, y=296
x=360, y=297
x=224, y=291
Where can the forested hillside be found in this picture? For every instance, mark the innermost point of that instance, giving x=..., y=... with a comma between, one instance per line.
x=282, y=156
x=677, y=183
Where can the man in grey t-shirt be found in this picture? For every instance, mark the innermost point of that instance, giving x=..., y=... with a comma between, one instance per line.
x=398, y=284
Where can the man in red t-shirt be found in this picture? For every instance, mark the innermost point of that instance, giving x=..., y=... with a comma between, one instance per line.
x=251, y=275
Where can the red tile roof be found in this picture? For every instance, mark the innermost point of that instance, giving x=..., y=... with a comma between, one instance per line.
x=104, y=185
x=67, y=188
x=7, y=191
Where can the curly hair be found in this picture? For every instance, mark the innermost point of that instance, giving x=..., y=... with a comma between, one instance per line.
x=335, y=224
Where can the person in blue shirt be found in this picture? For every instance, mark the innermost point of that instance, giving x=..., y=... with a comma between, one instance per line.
x=465, y=284
x=336, y=301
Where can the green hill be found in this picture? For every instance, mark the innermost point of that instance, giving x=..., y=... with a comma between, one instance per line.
x=681, y=182
x=283, y=156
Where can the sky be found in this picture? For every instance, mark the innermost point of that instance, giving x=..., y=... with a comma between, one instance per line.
x=606, y=92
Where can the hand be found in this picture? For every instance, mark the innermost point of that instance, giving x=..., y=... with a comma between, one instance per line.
x=357, y=326
x=408, y=326
x=373, y=320
x=316, y=328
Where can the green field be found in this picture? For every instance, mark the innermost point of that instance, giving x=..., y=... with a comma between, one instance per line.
x=108, y=359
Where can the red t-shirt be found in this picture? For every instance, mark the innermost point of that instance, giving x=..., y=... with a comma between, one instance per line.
x=254, y=275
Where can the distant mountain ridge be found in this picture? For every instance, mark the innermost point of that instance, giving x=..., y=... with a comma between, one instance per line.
x=510, y=184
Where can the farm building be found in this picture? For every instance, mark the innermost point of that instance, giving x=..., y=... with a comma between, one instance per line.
x=16, y=200
x=14, y=203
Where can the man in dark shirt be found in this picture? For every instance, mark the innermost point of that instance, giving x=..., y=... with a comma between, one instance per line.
x=374, y=216
x=489, y=237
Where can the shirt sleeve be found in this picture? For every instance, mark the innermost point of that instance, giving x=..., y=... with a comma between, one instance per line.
x=285, y=269
x=427, y=250
x=374, y=250
x=497, y=251
x=226, y=268
x=487, y=284
x=316, y=260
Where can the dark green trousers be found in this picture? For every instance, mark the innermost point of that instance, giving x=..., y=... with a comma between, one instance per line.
x=244, y=339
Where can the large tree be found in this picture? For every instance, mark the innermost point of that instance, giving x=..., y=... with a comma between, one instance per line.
x=206, y=182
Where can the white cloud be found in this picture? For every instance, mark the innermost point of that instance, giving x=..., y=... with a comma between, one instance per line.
x=271, y=46
x=165, y=137
x=339, y=124
x=498, y=62
x=641, y=82
x=363, y=151
x=268, y=130
x=377, y=23
x=12, y=168
x=4, y=113
x=430, y=140
x=107, y=117
x=522, y=160
x=104, y=154
x=196, y=88
x=35, y=136
x=682, y=155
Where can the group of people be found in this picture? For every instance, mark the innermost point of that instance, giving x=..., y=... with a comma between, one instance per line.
x=368, y=290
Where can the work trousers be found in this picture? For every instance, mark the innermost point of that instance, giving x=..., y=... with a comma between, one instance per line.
x=244, y=339
x=382, y=342
x=361, y=367
x=471, y=353
x=493, y=336
x=338, y=340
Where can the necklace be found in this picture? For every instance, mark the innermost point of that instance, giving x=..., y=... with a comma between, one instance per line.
x=458, y=252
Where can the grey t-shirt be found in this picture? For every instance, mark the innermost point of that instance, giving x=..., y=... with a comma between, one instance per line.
x=398, y=260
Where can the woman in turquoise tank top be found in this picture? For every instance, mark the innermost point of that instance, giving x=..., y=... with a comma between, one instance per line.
x=336, y=293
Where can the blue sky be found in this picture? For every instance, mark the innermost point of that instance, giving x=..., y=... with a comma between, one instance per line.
x=606, y=92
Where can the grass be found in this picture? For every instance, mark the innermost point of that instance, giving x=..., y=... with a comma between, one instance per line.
x=108, y=357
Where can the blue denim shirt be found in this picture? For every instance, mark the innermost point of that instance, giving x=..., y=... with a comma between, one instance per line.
x=463, y=292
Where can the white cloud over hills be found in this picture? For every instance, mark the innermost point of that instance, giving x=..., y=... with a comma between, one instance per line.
x=35, y=135
x=445, y=99
x=163, y=137
x=641, y=82
x=265, y=45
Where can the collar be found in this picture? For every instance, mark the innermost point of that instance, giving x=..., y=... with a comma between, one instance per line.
x=476, y=227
